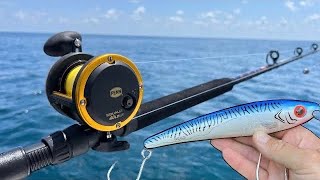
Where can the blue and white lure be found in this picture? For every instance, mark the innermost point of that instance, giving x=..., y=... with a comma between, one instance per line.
x=242, y=120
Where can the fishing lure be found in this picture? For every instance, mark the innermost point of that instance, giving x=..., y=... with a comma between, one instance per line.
x=242, y=120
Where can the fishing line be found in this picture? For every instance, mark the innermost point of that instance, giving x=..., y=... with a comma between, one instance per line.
x=203, y=58
x=257, y=169
x=285, y=173
x=146, y=154
x=258, y=166
x=110, y=169
x=236, y=80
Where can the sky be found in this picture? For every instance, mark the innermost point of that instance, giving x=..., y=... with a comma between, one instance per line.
x=259, y=19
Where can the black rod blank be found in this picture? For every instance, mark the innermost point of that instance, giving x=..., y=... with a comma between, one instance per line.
x=156, y=110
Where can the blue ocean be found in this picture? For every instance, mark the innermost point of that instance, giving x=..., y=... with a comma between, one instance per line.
x=26, y=116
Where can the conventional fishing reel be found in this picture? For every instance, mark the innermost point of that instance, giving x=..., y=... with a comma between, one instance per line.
x=104, y=92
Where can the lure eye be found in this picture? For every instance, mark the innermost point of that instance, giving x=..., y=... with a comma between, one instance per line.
x=300, y=111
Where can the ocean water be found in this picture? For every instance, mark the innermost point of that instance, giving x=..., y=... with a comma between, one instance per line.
x=26, y=116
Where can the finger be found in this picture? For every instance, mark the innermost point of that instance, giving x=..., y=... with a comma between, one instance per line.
x=245, y=140
x=247, y=151
x=302, y=137
x=279, y=151
x=298, y=136
x=242, y=165
x=295, y=130
x=276, y=171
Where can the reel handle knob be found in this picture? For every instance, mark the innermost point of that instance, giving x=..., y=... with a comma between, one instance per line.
x=63, y=43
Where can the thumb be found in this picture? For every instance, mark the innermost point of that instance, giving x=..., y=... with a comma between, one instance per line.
x=279, y=151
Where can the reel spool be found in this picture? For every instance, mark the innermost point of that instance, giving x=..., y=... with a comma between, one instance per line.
x=105, y=92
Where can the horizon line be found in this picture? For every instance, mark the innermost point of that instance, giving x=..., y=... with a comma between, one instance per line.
x=163, y=36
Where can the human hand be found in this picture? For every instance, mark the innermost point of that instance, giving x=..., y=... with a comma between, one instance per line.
x=298, y=151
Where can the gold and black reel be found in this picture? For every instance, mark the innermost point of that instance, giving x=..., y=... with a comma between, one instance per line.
x=104, y=92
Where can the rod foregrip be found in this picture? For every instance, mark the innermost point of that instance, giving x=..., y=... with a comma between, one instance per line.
x=18, y=163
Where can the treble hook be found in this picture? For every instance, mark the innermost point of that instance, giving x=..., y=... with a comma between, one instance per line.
x=145, y=153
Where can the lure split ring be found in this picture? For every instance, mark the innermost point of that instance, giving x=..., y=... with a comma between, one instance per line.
x=146, y=153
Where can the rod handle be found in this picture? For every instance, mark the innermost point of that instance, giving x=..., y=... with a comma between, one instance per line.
x=18, y=163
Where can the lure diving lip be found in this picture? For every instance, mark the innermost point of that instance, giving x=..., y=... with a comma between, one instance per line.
x=242, y=120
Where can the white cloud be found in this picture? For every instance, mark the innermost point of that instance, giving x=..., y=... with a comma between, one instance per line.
x=20, y=15
x=237, y=11
x=180, y=12
x=30, y=17
x=290, y=5
x=92, y=20
x=313, y=17
x=283, y=21
x=217, y=17
x=156, y=20
x=202, y=23
x=138, y=13
x=209, y=14
x=244, y=2
x=305, y=3
x=63, y=20
x=215, y=21
x=229, y=16
x=134, y=1
x=176, y=19
x=97, y=8
x=262, y=21
x=112, y=14
x=227, y=22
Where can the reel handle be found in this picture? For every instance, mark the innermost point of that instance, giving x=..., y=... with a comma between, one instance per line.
x=63, y=43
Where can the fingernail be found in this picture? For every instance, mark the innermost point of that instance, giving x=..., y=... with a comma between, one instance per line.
x=262, y=137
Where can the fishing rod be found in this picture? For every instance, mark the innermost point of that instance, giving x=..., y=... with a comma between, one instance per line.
x=104, y=94
x=158, y=109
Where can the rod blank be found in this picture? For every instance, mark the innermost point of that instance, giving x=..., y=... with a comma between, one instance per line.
x=156, y=110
